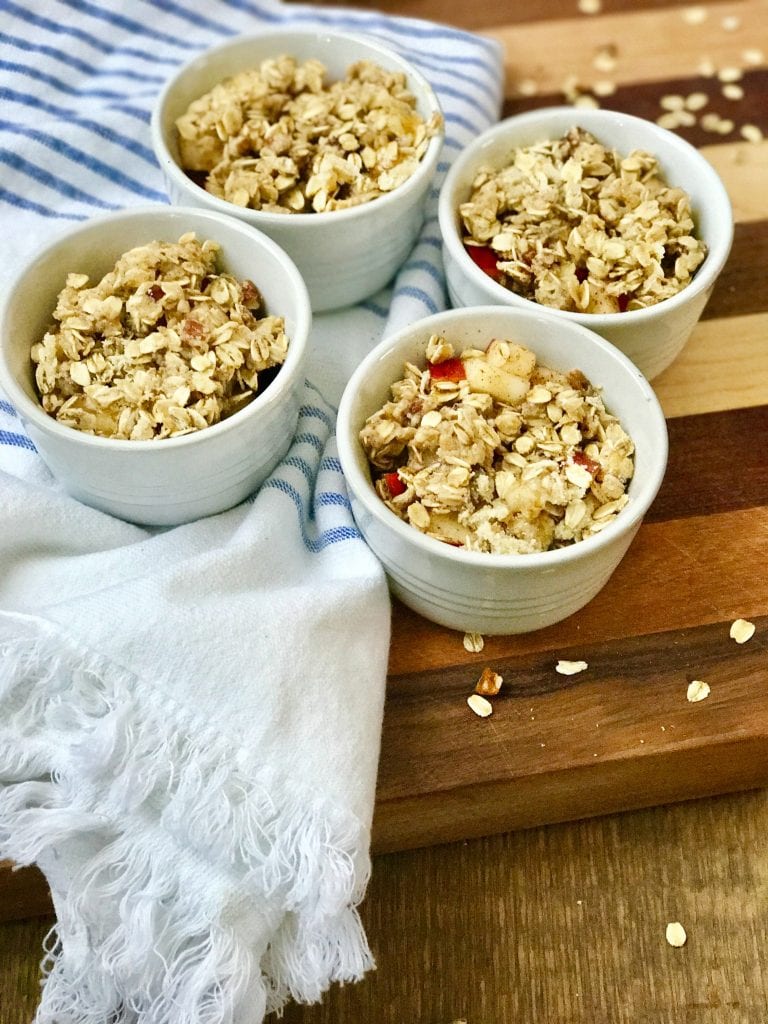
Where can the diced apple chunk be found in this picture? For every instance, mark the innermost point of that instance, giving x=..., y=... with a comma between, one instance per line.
x=512, y=358
x=496, y=381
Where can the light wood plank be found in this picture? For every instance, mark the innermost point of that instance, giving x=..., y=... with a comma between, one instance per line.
x=723, y=366
x=743, y=168
x=636, y=37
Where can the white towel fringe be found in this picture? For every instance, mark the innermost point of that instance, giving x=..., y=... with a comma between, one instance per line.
x=166, y=953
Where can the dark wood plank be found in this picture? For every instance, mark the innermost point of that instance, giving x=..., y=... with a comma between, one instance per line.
x=23, y=893
x=493, y=12
x=643, y=100
x=740, y=288
x=678, y=574
x=621, y=735
x=718, y=462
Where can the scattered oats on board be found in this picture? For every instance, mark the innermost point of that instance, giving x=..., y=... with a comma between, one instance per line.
x=527, y=87
x=697, y=690
x=481, y=707
x=742, y=630
x=605, y=58
x=753, y=56
x=489, y=683
x=570, y=668
x=731, y=91
x=751, y=133
x=676, y=934
x=604, y=87
x=473, y=642
x=695, y=15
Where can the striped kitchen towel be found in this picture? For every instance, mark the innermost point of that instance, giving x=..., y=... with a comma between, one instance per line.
x=190, y=718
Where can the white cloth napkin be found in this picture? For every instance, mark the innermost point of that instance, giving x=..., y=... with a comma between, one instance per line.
x=190, y=719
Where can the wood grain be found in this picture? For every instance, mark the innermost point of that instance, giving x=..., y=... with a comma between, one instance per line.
x=703, y=477
x=676, y=576
x=563, y=924
x=555, y=925
x=723, y=366
x=656, y=45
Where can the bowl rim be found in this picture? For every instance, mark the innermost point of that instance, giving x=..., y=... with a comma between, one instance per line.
x=170, y=167
x=591, y=119
x=32, y=411
x=361, y=488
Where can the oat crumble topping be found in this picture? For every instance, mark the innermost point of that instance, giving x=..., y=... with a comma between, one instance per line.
x=575, y=226
x=277, y=138
x=492, y=452
x=162, y=345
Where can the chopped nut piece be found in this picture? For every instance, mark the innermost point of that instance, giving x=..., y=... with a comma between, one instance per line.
x=573, y=225
x=697, y=690
x=489, y=683
x=481, y=707
x=676, y=934
x=277, y=138
x=732, y=92
x=672, y=102
x=590, y=6
x=570, y=668
x=730, y=22
x=742, y=630
x=730, y=74
x=473, y=642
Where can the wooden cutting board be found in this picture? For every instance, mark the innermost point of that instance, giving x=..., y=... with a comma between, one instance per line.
x=621, y=734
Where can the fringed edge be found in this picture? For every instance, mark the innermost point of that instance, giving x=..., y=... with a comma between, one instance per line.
x=68, y=711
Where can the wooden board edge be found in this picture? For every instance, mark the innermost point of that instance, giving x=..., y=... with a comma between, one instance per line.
x=584, y=791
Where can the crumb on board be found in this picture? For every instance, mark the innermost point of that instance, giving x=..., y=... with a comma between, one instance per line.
x=481, y=707
x=742, y=630
x=675, y=934
x=697, y=690
x=570, y=668
x=489, y=683
x=473, y=642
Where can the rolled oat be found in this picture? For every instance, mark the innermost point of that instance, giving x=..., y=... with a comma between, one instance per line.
x=164, y=344
x=491, y=452
x=277, y=138
x=573, y=225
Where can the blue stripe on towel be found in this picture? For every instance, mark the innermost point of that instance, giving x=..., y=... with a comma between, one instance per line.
x=27, y=204
x=334, y=535
x=107, y=134
x=61, y=28
x=80, y=157
x=136, y=28
x=56, y=83
x=79, y=65
x=14, y=440
x=52, y=181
